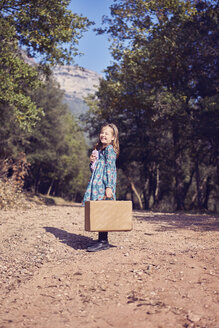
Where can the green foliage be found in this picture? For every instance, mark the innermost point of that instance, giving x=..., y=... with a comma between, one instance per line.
x=44, y=29
x=162, y=93
x=56, y=148
x=16, y=78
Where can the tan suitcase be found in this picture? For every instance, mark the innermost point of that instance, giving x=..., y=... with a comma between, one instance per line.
x=108, y=215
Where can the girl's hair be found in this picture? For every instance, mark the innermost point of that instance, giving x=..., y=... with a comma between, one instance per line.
x=115, y=142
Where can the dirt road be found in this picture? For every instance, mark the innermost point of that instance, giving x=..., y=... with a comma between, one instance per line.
x=162, y=274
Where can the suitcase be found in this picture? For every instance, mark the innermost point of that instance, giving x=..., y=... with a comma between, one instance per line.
x=108, y=215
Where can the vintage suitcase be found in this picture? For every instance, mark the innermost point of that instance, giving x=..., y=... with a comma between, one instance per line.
x=108, y=215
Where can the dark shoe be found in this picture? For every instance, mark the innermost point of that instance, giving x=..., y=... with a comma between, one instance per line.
x=99, y=246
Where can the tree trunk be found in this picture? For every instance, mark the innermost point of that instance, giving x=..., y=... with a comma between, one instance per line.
x=136, y=192
x=179, y=200
x=197, y=175
x=50, y=187
x=207, y=193
x=37, y=181
x=132, y=199
x=157, y=189
x=145, y=195
x=188, y=184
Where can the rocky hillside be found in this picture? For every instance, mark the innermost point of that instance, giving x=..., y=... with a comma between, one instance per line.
x=77, y=83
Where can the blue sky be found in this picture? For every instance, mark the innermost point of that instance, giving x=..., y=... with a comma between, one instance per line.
x=95, y=47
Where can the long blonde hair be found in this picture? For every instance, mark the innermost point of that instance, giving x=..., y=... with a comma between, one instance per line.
x=115, y=142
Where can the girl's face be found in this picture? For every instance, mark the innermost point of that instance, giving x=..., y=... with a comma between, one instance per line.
x=106, y=135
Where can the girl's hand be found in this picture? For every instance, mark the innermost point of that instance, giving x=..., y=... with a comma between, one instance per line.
x=109, y=193
x=93, y=158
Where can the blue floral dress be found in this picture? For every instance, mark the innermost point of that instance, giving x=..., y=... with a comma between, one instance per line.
x=103, y=176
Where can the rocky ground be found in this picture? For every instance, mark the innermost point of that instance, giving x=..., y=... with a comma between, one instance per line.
x=164, y=273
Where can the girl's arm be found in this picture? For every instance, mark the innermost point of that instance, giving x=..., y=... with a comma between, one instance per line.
x=110, y=170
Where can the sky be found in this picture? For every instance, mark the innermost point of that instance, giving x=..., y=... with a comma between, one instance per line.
x=95, y=47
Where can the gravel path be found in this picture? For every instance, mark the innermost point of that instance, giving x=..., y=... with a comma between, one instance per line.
x=162, y=274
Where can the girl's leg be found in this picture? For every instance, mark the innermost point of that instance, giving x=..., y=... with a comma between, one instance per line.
x=101, y=244
x=103, y=236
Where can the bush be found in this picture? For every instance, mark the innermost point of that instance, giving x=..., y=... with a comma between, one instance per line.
x=10, y=196
x=12, y=174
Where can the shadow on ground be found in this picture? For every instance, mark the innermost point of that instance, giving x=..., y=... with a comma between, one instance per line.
x=70, y=239
x=167, y=222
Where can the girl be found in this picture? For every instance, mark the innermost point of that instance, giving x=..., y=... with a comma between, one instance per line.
x=102, y=183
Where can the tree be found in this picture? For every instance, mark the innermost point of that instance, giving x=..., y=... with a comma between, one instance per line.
x=56, y=148
x=45, y=30
x=164, y=72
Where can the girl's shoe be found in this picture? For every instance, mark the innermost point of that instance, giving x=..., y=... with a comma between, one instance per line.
x=99, y=246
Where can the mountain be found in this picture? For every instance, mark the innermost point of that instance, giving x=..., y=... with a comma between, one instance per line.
x=77, y=83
